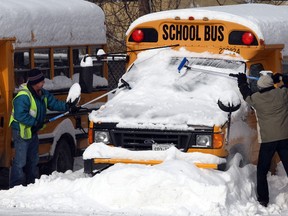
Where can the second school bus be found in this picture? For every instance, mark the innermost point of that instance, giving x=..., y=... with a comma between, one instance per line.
x=52, y=37
x=236, y=34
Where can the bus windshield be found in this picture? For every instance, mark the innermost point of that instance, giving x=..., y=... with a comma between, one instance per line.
x=163, y=97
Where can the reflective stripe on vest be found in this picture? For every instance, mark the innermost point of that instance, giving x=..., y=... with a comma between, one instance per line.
x=25, y=131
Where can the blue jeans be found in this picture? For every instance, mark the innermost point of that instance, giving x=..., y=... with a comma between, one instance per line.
x=24, y=168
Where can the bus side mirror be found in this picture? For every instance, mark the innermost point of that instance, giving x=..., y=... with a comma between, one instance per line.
x=86, y=74
x=228, y=107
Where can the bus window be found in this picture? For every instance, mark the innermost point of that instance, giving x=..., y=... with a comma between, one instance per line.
x=61, y=63
x=42, y=61
x=21, y=66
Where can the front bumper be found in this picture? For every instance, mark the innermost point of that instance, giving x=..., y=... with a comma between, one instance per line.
x=90, y=164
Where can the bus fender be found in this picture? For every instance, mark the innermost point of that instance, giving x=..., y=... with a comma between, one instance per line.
x=65, y=127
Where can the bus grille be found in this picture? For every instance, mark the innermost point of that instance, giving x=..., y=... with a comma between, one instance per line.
x=141, y=140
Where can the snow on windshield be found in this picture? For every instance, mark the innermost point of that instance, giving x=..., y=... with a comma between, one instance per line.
x=163, y=98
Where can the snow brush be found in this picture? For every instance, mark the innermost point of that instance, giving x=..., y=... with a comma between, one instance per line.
x=184, y=62
x=124, y=84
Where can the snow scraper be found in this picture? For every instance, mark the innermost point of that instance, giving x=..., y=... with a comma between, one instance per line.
x=203, y=68
x=71, y=90
x=124, y=84
x=73, y=97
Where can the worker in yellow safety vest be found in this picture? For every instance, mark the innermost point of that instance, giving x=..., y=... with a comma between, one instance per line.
x=27, y=118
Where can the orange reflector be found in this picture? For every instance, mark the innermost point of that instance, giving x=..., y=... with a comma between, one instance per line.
x=218, y=140
x=90, y=133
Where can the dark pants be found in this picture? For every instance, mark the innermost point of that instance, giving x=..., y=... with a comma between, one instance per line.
x=24, y=168
x=267, y=151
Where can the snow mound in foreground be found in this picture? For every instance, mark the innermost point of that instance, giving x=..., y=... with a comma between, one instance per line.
x=175, y=187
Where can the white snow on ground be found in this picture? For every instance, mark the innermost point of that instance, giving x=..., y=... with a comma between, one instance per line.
x=175, y=187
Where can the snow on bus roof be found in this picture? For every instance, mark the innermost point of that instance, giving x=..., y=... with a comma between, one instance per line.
x=269, y=22
x=52, y=22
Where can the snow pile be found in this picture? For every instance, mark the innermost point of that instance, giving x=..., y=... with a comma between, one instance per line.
x=86, y=62
x=63, y=82
x=174, y=187
x=161, y=98
x=58, y=82
x=268, y=21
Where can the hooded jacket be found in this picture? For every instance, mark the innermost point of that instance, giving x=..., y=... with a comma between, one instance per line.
x=271, y=106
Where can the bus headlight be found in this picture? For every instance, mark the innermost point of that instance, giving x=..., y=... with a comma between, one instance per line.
x=203, y=141
x=102, y=136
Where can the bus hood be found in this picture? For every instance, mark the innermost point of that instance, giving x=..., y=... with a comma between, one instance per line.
x=163, y=98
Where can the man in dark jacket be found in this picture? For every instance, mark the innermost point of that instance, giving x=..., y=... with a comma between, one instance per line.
x=271, y=106
x=28, y=117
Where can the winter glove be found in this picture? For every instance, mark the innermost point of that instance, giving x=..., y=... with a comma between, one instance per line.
x=73, y=108
x=277, y=78
x=74, y=102
x=242, y=79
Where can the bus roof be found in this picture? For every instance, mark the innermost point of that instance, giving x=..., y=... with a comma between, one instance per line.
x=52, y=22
x=269, y=22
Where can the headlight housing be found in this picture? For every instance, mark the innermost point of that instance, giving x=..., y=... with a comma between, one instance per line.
x=204, y=141
x=102, y=136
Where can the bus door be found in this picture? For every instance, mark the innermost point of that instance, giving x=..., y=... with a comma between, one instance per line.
x=6, y=95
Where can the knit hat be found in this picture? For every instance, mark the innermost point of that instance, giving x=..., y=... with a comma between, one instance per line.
x=35, y=76
x=265, y=81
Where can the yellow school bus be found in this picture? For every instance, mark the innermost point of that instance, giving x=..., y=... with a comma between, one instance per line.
x=53, y=37
x=234, y=34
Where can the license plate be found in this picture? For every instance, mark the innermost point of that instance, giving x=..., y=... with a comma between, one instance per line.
x=161, y=147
